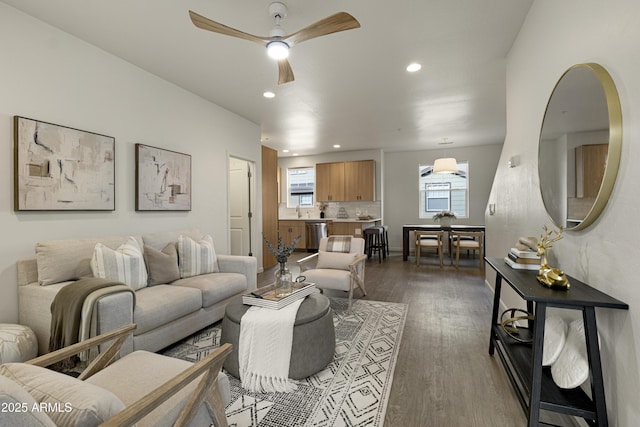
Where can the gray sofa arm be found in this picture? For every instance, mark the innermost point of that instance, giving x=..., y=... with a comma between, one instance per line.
x=112, y=312
x=246, y=265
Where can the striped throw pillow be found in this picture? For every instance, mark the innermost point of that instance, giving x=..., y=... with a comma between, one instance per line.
x=125, y=264
x=196, y=258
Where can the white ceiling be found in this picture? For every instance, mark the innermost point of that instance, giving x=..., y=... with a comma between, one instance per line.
x=350, y=88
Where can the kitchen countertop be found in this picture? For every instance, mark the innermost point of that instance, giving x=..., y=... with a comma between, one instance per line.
x=331, y=219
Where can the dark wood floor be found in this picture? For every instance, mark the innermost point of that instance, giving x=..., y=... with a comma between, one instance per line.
x=444, y=375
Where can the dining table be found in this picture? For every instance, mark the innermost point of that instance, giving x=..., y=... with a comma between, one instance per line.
x=408, y=228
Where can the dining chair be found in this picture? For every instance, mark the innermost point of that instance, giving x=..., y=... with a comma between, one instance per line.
x=469, y=241
x=429, y=240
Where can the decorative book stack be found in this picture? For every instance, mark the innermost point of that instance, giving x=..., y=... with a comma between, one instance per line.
x=522, y=259
x=266, y=296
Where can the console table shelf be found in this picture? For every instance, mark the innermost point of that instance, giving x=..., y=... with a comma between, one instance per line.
x=532, y=382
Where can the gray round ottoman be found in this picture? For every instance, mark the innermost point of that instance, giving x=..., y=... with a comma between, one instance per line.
x=314, y=339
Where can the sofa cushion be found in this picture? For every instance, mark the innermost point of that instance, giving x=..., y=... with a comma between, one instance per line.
x=162, y=266
x=125, y=264
x=71, y=402
x=159, y=305
x=17, y=407
x=196, y=257
x=329, y=278
x=215, y=287
x=69, y=259
x=160, y=239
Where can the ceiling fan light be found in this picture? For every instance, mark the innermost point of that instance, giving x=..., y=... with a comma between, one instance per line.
x=445, y=165
x=278, y=50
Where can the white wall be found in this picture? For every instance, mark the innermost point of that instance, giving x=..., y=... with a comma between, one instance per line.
x=50, y=76
x=401, y=185
x=556, y=35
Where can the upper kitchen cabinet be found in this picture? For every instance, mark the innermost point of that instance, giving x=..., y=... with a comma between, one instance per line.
x=330, y=182
x=359, y=180
x=345, y=181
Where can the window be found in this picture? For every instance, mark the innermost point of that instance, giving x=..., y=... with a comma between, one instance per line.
x=300, y=187
x=439, y=192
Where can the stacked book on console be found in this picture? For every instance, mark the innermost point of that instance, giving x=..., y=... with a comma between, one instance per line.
x=522, y=259
x=266, y=296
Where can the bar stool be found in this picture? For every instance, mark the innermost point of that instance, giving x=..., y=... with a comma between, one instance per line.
x=385, y=238
x=373, y=238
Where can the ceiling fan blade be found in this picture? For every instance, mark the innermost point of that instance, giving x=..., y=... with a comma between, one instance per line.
x=209, y=25
x=285, y=73
x=341, y=21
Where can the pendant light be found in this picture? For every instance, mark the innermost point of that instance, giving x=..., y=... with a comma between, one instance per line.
x=445, y=164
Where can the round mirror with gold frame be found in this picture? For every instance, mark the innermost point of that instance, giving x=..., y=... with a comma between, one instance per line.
x=580, y=146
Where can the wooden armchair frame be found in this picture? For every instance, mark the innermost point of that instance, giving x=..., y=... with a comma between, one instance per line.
x=356, y=277
x=207, y=388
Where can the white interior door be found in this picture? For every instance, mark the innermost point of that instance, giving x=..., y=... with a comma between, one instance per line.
x=240, y=182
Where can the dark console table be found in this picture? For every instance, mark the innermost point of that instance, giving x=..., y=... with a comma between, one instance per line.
x=533, y=384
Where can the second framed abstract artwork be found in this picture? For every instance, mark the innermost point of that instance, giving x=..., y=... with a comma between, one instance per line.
x=163, y=179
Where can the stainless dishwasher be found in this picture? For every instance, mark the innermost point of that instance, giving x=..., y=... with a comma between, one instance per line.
x=315, y=230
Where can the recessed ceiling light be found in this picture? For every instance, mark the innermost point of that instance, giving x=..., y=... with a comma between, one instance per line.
x=285, y=151
x=269, y=94
x=336, y=145
x=295, y=154
x=413, y=67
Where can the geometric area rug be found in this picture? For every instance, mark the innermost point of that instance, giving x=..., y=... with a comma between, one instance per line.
x=353, y=390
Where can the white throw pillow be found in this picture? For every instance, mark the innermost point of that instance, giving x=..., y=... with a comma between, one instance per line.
x=335, y=260
x=555, y=335
x=125, y=264
x=196, y=258
x=66, y=400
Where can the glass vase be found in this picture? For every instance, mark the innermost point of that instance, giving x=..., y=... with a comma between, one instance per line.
x=283, y=282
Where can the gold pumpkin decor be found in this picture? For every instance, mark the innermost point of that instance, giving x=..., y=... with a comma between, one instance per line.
x=549, y=276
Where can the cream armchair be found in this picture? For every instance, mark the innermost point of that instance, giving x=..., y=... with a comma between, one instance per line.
x=142, y=387
x=333, y=268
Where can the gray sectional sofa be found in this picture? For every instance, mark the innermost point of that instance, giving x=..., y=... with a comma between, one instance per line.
x=163, y=313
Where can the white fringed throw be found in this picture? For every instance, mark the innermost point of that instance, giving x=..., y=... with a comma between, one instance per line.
x=264, y=348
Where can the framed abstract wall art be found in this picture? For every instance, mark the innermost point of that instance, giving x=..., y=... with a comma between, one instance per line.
x=57, y=168
x=163, y=180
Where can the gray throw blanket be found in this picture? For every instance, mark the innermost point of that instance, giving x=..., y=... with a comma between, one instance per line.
x=66, y=309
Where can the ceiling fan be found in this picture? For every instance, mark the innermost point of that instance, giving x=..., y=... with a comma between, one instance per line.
x=277, y=43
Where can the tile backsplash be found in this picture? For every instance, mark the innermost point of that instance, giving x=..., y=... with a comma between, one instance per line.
x=353, y=209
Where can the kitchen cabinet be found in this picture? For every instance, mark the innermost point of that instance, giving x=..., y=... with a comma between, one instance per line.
x=351, y=228
x=359, y=180
x=330, y=182
x=345, y=181
x=269, y=203
x=291, y=229
x=347, y=229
